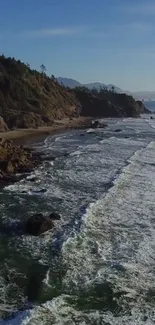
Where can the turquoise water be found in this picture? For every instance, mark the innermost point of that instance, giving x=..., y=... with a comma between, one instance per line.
x=97, y=266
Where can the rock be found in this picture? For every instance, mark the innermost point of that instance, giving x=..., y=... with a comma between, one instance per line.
x=2, y=141
x=3, y=126
x=151, y=117
x=3, y=165
x=97, y=124
x=38, y=224
x=103, y=125
x=47, y=158
x=54, y=216
x=32, y=179
x=7, y=167
x=10, y=168
x=117, y=130
x=82, y=135
x=42, y=190
x=16, y=159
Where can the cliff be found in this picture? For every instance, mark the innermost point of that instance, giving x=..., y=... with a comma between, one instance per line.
x=29, y=98
x=108, y=103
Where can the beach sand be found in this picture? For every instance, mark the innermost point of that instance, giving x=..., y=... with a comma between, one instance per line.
x=22, y=136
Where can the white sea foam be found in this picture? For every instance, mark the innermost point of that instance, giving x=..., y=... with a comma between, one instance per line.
x=76, y=153
x=119, y=226
x=117, y=238
x=118, y=232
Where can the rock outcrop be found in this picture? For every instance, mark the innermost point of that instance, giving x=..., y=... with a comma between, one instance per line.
x=3, y=125
x=98, y=124
x=29, y=98
x=141, y=107
x=38, y=223
x=108, y=104
x=15, y=159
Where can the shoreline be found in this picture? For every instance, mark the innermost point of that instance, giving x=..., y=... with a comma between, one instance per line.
x=17, y=156
x=26, y=136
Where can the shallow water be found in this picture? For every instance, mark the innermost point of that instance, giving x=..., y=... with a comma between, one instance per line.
x=98, y=265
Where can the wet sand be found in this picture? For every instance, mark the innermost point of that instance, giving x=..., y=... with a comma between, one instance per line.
x=22, y=136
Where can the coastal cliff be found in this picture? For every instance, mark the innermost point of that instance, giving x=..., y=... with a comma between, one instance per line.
x=29, y=99
x=105, y=103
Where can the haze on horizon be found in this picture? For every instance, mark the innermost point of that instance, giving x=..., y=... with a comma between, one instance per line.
x=106, y=41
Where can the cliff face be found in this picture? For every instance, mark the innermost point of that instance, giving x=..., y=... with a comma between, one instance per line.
x=29, y=98
x=3, y=126
x=108, y=104
x=141, y=107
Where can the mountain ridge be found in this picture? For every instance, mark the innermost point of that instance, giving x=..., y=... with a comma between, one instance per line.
x=72, y=83
x=141, y=94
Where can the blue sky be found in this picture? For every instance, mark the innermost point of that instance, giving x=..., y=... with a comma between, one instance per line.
x=111, y=41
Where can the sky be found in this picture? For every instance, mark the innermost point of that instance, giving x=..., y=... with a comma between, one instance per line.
x=110, y=41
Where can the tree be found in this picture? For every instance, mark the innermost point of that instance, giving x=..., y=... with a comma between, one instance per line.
x=113, y=89
x=43, y=69
x=53, y=78
x=94, y=91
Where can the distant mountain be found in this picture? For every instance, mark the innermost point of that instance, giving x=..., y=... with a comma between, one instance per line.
x=71, y=83
x=146, y=95
x=98, y=85
x=67, y=82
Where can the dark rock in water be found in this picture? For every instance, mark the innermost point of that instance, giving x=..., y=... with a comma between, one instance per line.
x=38, y=224
x=47, y=158
x=82, y=135
x=32, y=179
x=54, y=216
x=97, y=124
x=151, y=117
x=117, y=130
x=42, y=190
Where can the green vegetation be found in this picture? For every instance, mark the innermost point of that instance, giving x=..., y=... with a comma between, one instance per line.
x=107, y=103
x=29, y=98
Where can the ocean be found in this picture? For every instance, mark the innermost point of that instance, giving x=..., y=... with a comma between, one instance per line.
x=150, y=105
x=98, y=265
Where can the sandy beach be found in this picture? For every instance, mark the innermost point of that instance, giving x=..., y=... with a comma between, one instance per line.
x=26, y=135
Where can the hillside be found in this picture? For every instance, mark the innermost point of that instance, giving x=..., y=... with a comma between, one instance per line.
x=29, y=99
x=108, y=103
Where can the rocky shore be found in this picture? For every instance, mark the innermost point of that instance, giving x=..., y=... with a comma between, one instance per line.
x=15, y=159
